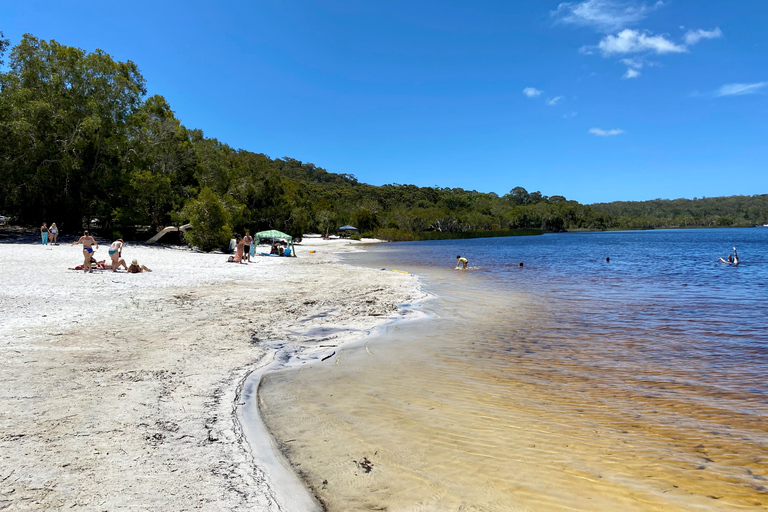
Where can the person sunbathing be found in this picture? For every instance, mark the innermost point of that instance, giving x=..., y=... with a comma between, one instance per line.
x=135, y=268
x=94, y=265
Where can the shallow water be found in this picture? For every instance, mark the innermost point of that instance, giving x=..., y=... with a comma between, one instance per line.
x=568, y=384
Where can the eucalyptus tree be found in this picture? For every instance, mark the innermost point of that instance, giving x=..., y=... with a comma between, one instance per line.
x=63, y=115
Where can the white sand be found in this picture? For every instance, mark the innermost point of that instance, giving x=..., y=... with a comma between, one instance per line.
x=124, y=391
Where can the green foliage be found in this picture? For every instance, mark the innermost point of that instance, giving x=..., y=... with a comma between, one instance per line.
x=209, y=221
x=78, y=141
x=681, y=213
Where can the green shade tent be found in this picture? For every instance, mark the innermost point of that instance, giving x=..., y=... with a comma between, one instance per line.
x=276, y=235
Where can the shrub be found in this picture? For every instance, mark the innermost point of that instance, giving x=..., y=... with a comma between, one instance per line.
x=355, y=236
x=209, y=222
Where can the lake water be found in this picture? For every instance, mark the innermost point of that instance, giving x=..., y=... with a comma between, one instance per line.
x=570, y=383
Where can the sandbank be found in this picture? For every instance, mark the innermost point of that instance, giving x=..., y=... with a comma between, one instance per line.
x=124, y=391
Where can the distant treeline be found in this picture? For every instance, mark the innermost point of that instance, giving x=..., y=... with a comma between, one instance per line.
x=81, y=145
x=681, y=213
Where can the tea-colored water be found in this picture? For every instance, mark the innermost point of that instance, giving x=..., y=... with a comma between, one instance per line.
x=578, y=393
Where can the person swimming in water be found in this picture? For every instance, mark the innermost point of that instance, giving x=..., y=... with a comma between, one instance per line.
x=461, y=262
x=88, y=242
x=733, y=259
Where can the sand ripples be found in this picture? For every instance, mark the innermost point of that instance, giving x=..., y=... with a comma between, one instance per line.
x=563, y=398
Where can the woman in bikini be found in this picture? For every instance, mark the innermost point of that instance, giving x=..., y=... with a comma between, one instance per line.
x=88, y=242
x=115, y=251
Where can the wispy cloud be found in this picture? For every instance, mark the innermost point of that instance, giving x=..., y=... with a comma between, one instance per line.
x=553, y=101
x=631, y=73
x=603, y=15
x=634, y=41
x=605, y=133
x=740, y=89
x=532, y=92
x=694, y=36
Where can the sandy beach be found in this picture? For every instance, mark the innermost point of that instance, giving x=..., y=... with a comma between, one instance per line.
x=124, y=391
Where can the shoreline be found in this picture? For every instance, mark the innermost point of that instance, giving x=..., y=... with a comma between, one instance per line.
x=143, y=373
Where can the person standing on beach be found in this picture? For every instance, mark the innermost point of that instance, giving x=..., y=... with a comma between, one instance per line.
x=247, y=241
x=461, y=262
x=54, y=231
x=44, y=233
x=88, y=242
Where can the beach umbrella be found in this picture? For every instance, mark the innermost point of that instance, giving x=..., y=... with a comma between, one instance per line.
x=347, y=228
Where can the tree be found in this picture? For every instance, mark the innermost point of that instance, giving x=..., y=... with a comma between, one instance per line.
x=63, y=119
x=518, y=196
x=209, y=222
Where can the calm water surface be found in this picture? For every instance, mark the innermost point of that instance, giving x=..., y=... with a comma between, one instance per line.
x=571, y=383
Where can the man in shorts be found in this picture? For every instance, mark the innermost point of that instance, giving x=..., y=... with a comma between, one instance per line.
x=247, y=240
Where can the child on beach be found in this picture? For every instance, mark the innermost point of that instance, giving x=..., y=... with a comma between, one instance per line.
x=461, y=262
x=247, y=241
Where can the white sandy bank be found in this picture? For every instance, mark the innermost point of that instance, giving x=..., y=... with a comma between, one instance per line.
x=121, y=391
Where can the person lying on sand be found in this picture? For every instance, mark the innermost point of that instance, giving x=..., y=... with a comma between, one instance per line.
x=93, y=264
x=135, y=268
x=88, y=242
x=461, y=262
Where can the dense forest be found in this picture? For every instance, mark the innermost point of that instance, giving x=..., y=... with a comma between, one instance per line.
x=681, y=213
x=81, y=144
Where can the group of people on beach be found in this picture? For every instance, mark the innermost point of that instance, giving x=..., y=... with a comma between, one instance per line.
x=242, y=249
x=115, y=253
x=49, y=233
x=242, y=246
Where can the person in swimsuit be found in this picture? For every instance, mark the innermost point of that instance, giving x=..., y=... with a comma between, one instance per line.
x=115, y=251
x=247, y=241
x=54, y=231
x=135, y=268
x=461, y=262
x=44, y=233
x=733, y=259
x=88, y=242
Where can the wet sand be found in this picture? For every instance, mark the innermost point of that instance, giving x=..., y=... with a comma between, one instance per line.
x=508, y=408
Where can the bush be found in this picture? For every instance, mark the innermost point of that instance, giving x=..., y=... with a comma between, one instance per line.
x=209, y=222
x=356, y=236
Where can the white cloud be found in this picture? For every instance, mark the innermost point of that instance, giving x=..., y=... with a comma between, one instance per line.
x=694, y=36
x=532, y=92
x=568, y=116
x=631, y=73
x=633, y=63
x=634, y=41
x=553, y=101
x=740, y=89
x=605, y=133
x=605, y=15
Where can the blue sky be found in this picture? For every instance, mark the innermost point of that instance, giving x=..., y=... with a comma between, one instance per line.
x=596, y=100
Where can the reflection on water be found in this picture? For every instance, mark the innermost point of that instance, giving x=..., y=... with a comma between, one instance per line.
x=569, y=384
